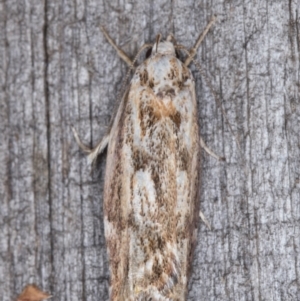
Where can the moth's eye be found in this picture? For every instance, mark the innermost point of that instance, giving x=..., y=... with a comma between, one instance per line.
x=148, y=53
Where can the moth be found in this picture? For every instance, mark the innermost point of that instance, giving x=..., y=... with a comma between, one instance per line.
x=151, y=206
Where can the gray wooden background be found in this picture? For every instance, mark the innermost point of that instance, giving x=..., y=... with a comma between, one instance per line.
x=57, y=70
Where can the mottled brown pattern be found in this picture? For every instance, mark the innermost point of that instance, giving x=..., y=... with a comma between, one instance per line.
x=151, y=83
x=162, y=110
x=151, y=206
x=147, y=117
x=176, y=118
x=144, y=77
x=141, y=159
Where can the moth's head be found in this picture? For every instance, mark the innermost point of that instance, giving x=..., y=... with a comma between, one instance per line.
x=163, y=47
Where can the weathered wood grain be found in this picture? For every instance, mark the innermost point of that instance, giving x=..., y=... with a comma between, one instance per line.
x=57, y=70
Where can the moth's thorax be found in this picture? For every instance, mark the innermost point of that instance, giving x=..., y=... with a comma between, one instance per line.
x=164, y=75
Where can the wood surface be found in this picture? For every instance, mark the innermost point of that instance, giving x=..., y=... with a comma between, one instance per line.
x=57, y=70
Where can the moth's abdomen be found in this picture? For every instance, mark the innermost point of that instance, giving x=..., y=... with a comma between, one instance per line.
x=152, y=183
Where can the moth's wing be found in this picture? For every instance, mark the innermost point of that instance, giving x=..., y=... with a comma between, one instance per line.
x=114, y=195
x=150, y=249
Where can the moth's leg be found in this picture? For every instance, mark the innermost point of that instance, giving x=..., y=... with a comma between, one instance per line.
x=92, y=152
x=209, y=151
x=204, y=219
x=120, y=52
x=193, y=50
x=99, y=148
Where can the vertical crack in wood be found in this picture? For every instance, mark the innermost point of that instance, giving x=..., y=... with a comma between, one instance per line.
x=47, y=110
x=8, y=157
